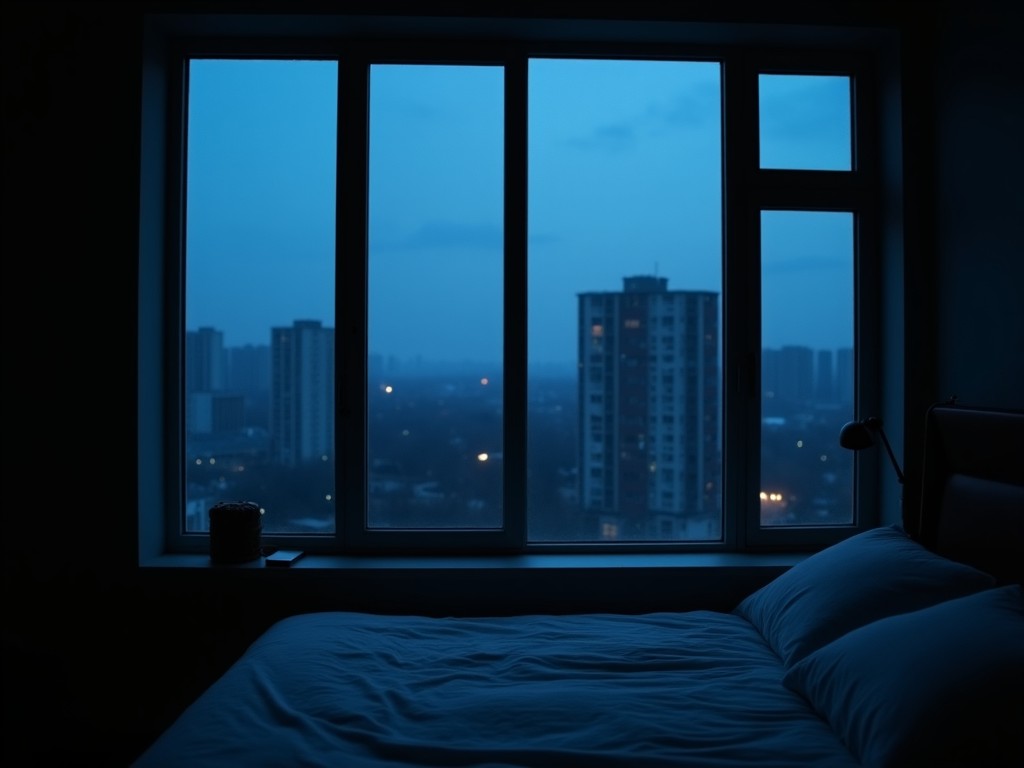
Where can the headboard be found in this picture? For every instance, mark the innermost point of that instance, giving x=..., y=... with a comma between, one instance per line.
x=972, y=492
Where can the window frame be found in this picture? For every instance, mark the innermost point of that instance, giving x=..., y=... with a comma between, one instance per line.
x=746, y=189
x=854, y=191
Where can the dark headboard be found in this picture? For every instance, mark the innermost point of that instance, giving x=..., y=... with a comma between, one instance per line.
x=972, y=492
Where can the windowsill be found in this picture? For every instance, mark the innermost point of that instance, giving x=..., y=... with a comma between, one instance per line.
x=475, y=585
x=524, y=562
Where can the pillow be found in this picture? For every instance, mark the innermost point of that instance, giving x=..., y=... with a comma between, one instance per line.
x=877, y=573
x=937, y=687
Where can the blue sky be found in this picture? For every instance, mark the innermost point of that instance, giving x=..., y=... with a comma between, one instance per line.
x=624, y=179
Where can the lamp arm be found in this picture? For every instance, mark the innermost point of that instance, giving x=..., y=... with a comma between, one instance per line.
x=892, y=457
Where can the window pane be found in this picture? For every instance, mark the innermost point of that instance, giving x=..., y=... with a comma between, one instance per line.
x=805, y=122
x=259, y=291
x=625, y=276
x=435, y=296
x=807, y=367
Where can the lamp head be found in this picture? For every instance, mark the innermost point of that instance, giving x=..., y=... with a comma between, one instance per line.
x=857, y=435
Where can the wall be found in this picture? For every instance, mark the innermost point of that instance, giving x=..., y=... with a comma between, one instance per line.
x=979, y=96
x=107, y=659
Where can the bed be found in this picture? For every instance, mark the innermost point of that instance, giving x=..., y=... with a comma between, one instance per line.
x=900, y=646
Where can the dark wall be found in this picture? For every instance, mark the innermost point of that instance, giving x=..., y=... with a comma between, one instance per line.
x=70, y=101
x=964, y=163
x=979, y=238
x=107, y=660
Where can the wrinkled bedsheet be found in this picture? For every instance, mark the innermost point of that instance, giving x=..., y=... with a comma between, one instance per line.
x=356, y=690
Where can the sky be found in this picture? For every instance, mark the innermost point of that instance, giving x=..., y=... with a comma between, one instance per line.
x=624, y=178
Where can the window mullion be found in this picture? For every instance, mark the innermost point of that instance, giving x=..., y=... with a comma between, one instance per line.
x=351, y=294
x=515, y=328
x=742, y=298
x=821, y=190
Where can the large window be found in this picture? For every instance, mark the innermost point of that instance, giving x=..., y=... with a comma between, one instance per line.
x=577, y=297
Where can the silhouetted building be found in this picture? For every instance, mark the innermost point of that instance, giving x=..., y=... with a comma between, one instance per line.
x=302, y=392
x=649, y=455
x=204, y=378
x=787, y=378
x=249, y=374
x=204, y=360
x=824, y=384
x=844, y=376
x=216, y=412
x=248, y=369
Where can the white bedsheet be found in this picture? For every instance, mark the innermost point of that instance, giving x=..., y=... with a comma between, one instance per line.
x=598, y=690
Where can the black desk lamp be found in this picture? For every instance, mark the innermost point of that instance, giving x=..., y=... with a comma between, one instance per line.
x=857, y=435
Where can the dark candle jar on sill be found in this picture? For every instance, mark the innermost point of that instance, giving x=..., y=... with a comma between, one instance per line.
x=236, y=530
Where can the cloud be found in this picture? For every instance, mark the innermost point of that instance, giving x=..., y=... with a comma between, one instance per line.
x=611, y=137
x=696, y=108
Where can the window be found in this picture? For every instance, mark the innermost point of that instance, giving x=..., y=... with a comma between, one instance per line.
x=600, y=295
x=259, y=276
x=802, y=368
x=804, y=122
x=435, y=299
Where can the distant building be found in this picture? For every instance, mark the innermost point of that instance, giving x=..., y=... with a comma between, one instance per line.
x=844, y=376
x=649, y=448
x=797, y=378
x=824, y=382
x=249, y=374
x=226, y=388
x=249, y=369
x=205, y=375
x=302, y=392
x=215, y=413
x=204, y=360
x=787, y=378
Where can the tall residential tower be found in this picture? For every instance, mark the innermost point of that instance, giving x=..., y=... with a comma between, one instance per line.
x=649, y=399
x=302, y=392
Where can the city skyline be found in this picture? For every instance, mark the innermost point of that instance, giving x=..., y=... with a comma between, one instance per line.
x=636, y=427
x=407, y=364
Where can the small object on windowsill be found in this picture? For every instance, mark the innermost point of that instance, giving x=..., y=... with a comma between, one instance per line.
x=236, y=529
x=283, y=558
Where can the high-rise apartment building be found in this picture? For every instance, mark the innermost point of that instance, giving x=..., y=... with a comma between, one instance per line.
x=302, y=392
x=205, y=380
x=787, y=379
x=649, y=399
x=205, y=360
x=249, y=374
x=211, y=413
x=824, y=377
x=249, y=369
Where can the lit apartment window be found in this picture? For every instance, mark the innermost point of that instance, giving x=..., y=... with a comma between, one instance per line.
x=423, y=282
